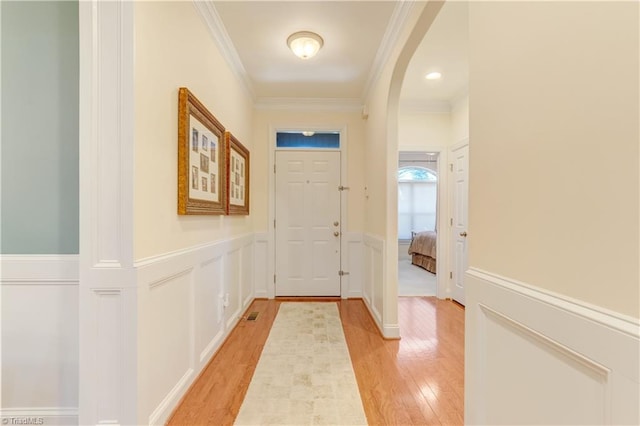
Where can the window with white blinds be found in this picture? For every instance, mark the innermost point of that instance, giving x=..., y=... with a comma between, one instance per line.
x=417, y=198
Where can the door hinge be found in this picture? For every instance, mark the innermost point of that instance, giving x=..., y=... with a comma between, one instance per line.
x=274, y=168
x=274, y=278
x=451, y=167
x=343, y=188
x=341, y=273
x=451, y=222
x=450, y=275
x=274, y=224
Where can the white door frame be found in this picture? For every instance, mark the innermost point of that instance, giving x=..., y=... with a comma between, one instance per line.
x=271, y=244
x=443, y=283
x=460, y=144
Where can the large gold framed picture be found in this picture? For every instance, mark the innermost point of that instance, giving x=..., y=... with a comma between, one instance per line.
x=202, y=156
x=237, y=176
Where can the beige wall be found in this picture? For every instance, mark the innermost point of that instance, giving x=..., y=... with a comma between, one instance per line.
x=418, y=130
x=167, y=35
x=266, y=122
x=460, y=120
x=554, y=91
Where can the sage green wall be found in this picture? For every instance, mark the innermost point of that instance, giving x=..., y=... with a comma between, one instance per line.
x=39, y=127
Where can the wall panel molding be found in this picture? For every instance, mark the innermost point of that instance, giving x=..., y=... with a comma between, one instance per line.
x=354, y=262
x=374, y=258
x=578, y=361
x=206, y=289
x=261, y=266
x=39, y=349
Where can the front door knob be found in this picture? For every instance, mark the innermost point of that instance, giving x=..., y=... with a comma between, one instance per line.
x=336, y=233
x=463, y=234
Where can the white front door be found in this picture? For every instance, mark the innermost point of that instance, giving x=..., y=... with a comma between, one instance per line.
x=460, y=218
x=307, y=223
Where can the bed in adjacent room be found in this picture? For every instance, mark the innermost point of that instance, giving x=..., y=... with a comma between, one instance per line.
x=423, y=250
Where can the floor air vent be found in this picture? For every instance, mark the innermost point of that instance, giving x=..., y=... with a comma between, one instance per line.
x=252, y=316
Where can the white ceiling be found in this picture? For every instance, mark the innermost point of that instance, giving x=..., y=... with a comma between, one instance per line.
x=443, y=49
x=356, y=35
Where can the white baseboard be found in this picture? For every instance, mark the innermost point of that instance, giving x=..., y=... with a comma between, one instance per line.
x=40, y=416
x=536, y=357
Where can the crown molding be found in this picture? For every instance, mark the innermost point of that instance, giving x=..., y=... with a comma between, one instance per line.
x=310, y=104
x=425, y=106
x=389, y=40
x=221, y=37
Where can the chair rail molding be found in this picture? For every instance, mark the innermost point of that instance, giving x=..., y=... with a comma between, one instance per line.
x=576, y=363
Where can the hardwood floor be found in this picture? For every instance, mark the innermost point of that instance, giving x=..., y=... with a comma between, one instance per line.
x=418, y=380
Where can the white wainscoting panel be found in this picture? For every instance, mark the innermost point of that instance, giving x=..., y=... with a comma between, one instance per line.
x=534, y=357
x=246, y=275
x=374, y=259
x=189, y=301
x=354, y=264
x=40, y=337
x=261, y=277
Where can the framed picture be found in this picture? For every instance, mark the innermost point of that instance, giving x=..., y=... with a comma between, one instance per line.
x=202, y=159
x=237, y=176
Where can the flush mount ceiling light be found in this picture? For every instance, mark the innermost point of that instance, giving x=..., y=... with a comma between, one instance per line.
x=305, y=44
x=435, y=75
x=307, y=133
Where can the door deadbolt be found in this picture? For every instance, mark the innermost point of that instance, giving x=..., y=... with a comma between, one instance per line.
x=463, y=234
x=336, y=223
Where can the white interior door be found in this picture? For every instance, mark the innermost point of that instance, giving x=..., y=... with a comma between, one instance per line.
x=307, y=224
x=460, y=219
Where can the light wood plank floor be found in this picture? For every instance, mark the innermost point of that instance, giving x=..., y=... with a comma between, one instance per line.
x=418, y=380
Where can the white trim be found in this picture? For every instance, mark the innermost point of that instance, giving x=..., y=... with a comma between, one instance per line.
x=202, y=276
x=390, y=38
x=43, y=269
x=614, y=320
x=45, y=415
x=237, y=241
x=553, y=338
x=220, y=36
x=309, y=104
x=261, y=277
x=371, y=280
x=354, y=253
x=107, y=291
x=58, y=277
x=39, y=412
x=164, y=409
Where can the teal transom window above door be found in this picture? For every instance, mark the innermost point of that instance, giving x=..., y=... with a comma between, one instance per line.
x=308, y=139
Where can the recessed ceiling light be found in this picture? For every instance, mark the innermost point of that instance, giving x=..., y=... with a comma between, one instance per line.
x=435, y=75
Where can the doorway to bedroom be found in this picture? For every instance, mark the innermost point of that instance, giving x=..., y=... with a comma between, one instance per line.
x=417, y=223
